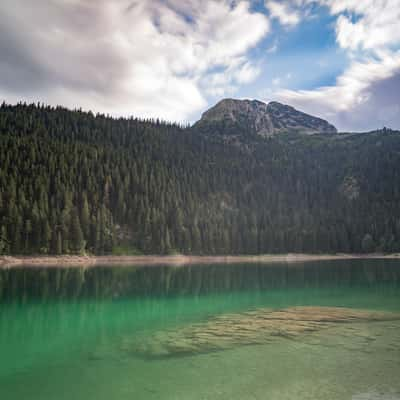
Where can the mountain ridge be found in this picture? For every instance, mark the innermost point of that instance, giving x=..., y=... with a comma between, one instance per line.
x=237, y=117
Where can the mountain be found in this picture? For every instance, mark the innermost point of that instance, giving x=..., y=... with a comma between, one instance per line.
x=238, y=117
x=73, y=182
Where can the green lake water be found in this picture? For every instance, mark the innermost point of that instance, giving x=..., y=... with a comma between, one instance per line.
x=72, y=333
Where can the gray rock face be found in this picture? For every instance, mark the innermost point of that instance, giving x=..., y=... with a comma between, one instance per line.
x=232, y=117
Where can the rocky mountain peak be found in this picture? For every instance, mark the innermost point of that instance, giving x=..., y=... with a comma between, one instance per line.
x=233, y=116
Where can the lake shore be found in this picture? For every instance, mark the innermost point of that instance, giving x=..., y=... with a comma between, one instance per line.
x=177, y=260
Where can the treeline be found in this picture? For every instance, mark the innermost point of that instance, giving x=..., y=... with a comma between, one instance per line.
x=74, y=182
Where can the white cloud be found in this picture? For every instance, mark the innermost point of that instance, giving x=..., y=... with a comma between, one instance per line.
x=372, y=25
x=369, y=31
x=351, y=87
x=273, y=48
x=151, y=59
x=353, y=92
x=276, y=81
x=247, y=72
x=283, y=12
x=226, y=82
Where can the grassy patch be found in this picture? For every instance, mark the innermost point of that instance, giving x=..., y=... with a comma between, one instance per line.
x=126, y=251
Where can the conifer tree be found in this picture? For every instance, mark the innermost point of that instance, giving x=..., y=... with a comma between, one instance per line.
x=77, y=242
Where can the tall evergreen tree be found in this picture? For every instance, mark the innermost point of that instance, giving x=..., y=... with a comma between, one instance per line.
x=77, y=242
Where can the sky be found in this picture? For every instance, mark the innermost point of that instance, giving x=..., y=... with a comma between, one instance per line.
x=173, y=59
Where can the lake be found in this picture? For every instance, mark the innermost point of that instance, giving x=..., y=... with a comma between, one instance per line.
x=309, y=330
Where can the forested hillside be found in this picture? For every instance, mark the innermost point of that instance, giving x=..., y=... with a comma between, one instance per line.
x=73, y=182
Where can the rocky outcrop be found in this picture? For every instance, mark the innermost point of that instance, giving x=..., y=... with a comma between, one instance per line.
x=261, y=326
x=233, y=117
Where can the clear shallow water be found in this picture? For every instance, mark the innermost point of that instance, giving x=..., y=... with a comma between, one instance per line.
x=72, y=333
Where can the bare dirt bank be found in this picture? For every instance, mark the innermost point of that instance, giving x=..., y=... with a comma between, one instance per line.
x=91, y=261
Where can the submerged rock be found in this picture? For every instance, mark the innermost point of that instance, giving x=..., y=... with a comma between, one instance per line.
x=260, y=326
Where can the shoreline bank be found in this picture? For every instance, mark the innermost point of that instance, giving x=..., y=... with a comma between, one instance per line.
x=177, y=260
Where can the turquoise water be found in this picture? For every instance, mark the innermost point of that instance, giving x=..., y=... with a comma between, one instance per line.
x=70, y=333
